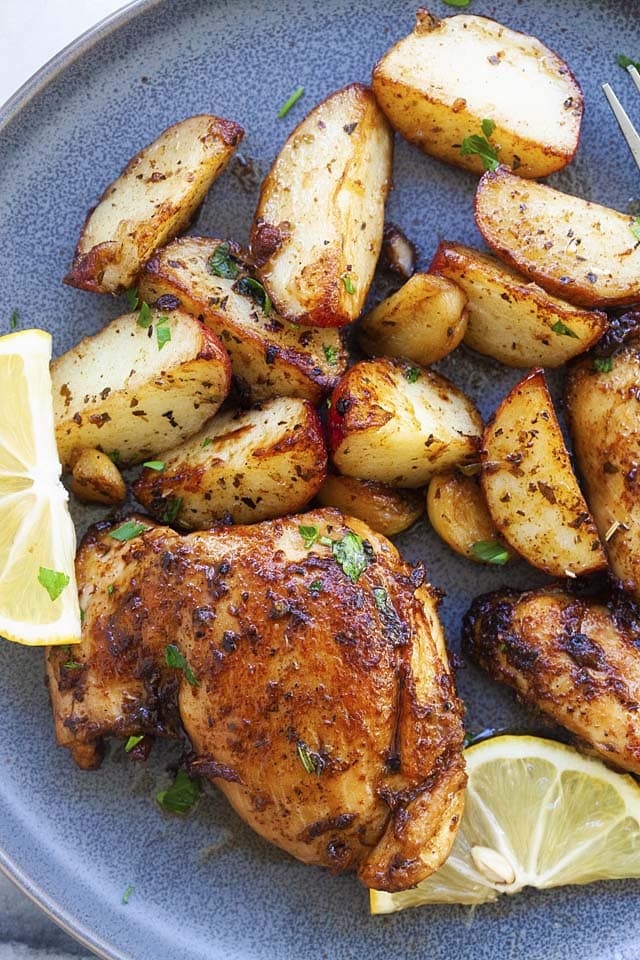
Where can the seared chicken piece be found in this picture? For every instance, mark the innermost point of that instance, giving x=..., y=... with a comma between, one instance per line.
x=316, y=693
x=577, y=660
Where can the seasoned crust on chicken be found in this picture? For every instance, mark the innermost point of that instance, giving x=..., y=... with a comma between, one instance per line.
x=577, y=660
x=325, y=709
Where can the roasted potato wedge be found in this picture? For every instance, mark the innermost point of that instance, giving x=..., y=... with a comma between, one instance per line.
x=153, y=199
x=439, y=83
x=96, y=479
x=573, y=248
x=399, y=424
x=603, y=416
x=424, y=321
x=460, y=516
x=132, y=392
x=530, y=487
x=269, y=355
x=510, y=318
x=318, y=228
x=241, y=467
x=387, y=510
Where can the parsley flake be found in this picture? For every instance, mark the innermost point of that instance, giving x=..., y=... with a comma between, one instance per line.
x=133, y=742
x=15, y=317
x=132, y=298
x=127, y=531
x=488, y=126
x=114, y=456
x=411, y=374
x=635, y=228
x=144, y=316
x=480, y=146
x=309, y=535
x=457, y=3
x=127, y=894
x=563, y=330
x=316, y=587
x=603, y=364
x=353, y=554
x=293, y=99
x=623, y=61
x=53, y=581
x=222, y=264
x=207, y=442
x=72, y=665
x=331, y=355
x=180, y=796
x=110, y=589
x=176, y=659
x=489, y=551
x=163, y=332
x=311, y=762
x=172, y=507
x=248, y=287
x=348, y=283
x=154, y=465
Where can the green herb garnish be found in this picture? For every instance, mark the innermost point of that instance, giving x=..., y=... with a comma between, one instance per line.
x=163, y=332
x=489, y=551
x=144, y=316
x=411, y=374
x=53, y=581
x=15, y=317
x=249, y=287
x=127, y=531
x=293, y=99
x=316, y=586
x=172, y=507
x=132, y=298
x=72, y=665
x=114, y=456
x=309, y=535
x=348, y=283
x=623, y=61
x=603, y=364
x=488, y=126
x=353, y=554
x=207, y=441
x=154, y=465
x=311, y=762
x=331, y=355
x=477, y=145
x=133, y=742
x=457, y=3
x=127, y=894
x=181, y=795
x=563, y=330
x=110, y=589
x=221, y=264
x=176, y=659
x=635, y=228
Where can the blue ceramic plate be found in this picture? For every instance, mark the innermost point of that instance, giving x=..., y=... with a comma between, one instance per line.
x=207, y=887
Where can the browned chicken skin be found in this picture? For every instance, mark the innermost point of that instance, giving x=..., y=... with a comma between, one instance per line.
x=577, y=660
x=325, y=709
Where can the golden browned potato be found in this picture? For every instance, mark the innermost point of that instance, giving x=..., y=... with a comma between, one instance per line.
x=153, y=199
x=143, y=384
x=387, y=510
x=397, y=423
x=459, y=515
x=424, y=321
x=96, y=479
x=318, y=228
x=241, y=467
x=513, y=319
x=440, y=83
x=530, y=487
x=573, y=248
x=270, y=356
x=604, y=419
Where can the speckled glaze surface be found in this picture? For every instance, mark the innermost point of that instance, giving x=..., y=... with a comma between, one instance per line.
x=207, y=887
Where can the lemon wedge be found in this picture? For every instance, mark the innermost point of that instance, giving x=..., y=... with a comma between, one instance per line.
x=537, y=814
x=38, y=593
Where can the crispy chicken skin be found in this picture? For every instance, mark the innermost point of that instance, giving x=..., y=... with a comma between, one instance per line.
x=577, y=660
x=325, y=711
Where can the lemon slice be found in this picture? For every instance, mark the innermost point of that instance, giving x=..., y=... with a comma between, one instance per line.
x=38, y=593
x=538, y=814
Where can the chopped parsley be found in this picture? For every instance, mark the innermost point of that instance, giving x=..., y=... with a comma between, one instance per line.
x=623, y=61
x=331, y=355
x=411, y=374
x=207, y=441
x=127, y=894
x=53, y=581
x=311, y=762
x=603, y=364
x=489, y=551
x=154, y=465
x=127, y=531
x=563, y=330
x=635, y=228
x=222, y=264
x=176, y=659
x=457, y=3
x=163, y=332
x=110, y=589
x=180, y=796
x=469, y=469
x=248, y=287
x=144, y=316
x=293, y=99
x=114, y=456
x=348, y=283
x=172, y=507
x=15, y=317
x=477, y=145
x=132, y=298
x=309, y=535
x=72, y=665
x=353, y=554
x=133, y=742
x=316, y=587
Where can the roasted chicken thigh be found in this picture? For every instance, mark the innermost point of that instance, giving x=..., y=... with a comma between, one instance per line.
x=315, y=689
